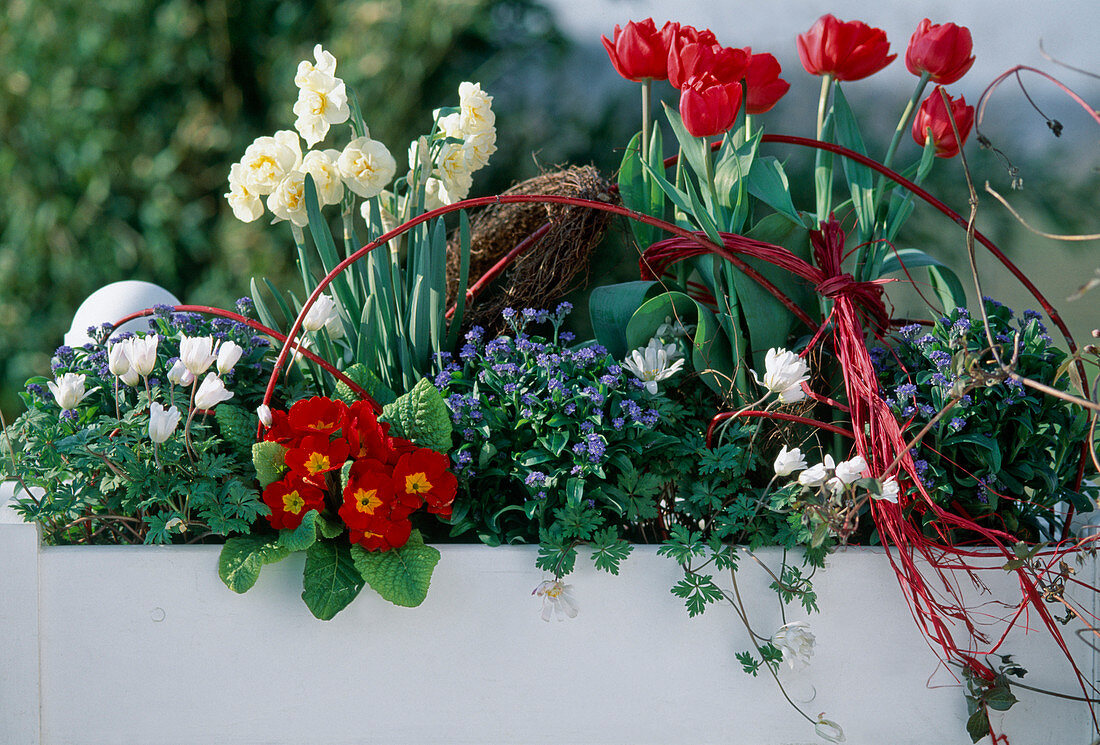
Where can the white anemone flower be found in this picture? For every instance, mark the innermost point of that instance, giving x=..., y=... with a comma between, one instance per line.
x=197, y=353
x=816, y=474
x=229, y=352
x=211, y=392
x=180, y=375
x=796, y=642
x=828, y=730
x=117, y=361
x=246, y=203
x=268, y=160
x=130, y=378
x=654, y=362
x=889, y=490
x=789, y=461
x=850, y=470
x=366, y=166
x=784, y=372
x=673, y=329
x=557, y=600
x=320, y=313
x=142, y=353
x=68, y=390
x=162, y=422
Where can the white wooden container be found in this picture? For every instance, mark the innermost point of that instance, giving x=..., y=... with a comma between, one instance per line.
x=135, y=645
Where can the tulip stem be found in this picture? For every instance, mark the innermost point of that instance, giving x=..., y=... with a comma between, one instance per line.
x=826, y=82
x=906, y=116
x=646, y=90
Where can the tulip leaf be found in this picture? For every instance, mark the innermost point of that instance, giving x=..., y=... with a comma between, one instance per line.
x=330, y=580
x=694, y=149
x=859, y=177
x=611, y=308
x=734, y=166
x=768, y=182
x=945, y=283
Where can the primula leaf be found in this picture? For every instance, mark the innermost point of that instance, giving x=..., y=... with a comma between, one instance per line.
x=242, y=558
x=400, y=575
x=269, y=459
x=330, y=580
x=366, y=380
x=421, y=415
x=302, y=537
x=238, y=426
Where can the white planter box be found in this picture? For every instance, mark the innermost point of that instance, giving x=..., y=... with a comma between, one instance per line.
x=134, y=645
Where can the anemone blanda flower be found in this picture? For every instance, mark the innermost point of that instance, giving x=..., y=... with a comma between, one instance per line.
x=796, y=642
x=654, y=362
x=557, y=600
x=784, y=373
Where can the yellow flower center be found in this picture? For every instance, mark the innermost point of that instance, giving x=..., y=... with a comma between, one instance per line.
x=417, y=483
x=367, y=501
x=293, y=503
x=317, y=462
x=322, y=426
x=554, y=591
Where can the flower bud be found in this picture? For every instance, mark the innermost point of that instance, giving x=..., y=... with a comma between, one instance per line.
x=117, y=361
x=211, y=392
x=263, y=411
x=943, y=51
x=323, y=309
x=228, y=354
x=932, y=120
x=142, y=353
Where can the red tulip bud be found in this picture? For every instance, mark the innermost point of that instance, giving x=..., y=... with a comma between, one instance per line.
x=933, y=116
x=943, y=51
x=692, y=53
x=640, y=51
x=708, y=106
x=847, y=51
x=763, y=86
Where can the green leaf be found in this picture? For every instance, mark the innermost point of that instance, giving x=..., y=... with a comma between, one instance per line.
x=999, y=699
x=421, y=415
x=331, y=580
x=269, y=460
x=366, y=380
x=401, y=575
x=302, y=537
x=634, y=188
x=767, y=182
x=238, y=426
x=977, y=726
x=859, y=177
x=326, y=251
x=242, y=558
x=944, y=280
x=611, y=308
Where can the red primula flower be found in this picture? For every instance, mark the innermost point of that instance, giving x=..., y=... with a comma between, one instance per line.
x=280, y=430
x=941, y=50
x=847, y=51
x=693, y=53
x=317, y=415
x=382, y=535
x=425, y=474
x=315, y=456
x=763, y=86
x=290, y=499
x=708, y=106
x=368, y=495
x=640, y=51
x=933, y=116
x=367, y=437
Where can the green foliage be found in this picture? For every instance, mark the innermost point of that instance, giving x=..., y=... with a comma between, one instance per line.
x=237, y=425
x=983, y=695
x=331, y=580
x=401, y=575
x=242, y=558
x=269, y=460
x=368, y=381
x=421, y=416
x=1004, y=454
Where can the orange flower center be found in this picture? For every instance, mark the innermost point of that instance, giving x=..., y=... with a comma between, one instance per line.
x=322, y=426
x=293, y=503
x=417, y=483
x=317, y=463
x=367, y=501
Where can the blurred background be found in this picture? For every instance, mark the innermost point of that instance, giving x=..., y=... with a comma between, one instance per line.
x=119, y=121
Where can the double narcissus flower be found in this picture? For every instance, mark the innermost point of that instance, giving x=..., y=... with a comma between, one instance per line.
x=845, y=50
x=388, y=479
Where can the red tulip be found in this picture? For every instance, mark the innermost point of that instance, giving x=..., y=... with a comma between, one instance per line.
x=847, y=51
x=692, y=53
x=942, y=51
x=709, y=106
x=933, y=116
x=763, y=86
x=640, y=51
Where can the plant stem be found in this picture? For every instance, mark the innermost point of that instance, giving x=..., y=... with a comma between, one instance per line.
x=646, y=90
x=826, y=83
x=906, y=117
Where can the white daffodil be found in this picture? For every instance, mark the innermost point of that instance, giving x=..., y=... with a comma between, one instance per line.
x=246, y=203
x=268, y=160
x=117, y=361
x=68, y=390
x=654, y=362
x=829, y=730
x=211, y=392
x=288, y=200
x=784, y=372
x=889, y=490
x=229, y=352
x=197, y=354
x=322, y=97
x=433, y=194
x=789, y=461
x=321, y=164
x=320, y=313
x=557, y=600
x=142, y=353
x=451, y=126
x=366, y=166
x=476, y=109
x=263, y=411
x=334, y=327
x=180, y=375
x=479, y=147
x=162, y=422
x=796, y=642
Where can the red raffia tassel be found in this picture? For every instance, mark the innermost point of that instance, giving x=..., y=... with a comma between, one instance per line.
x=879, y=440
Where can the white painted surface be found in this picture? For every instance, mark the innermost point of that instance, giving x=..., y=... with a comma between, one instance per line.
x=113, y=302
x=145, y=645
